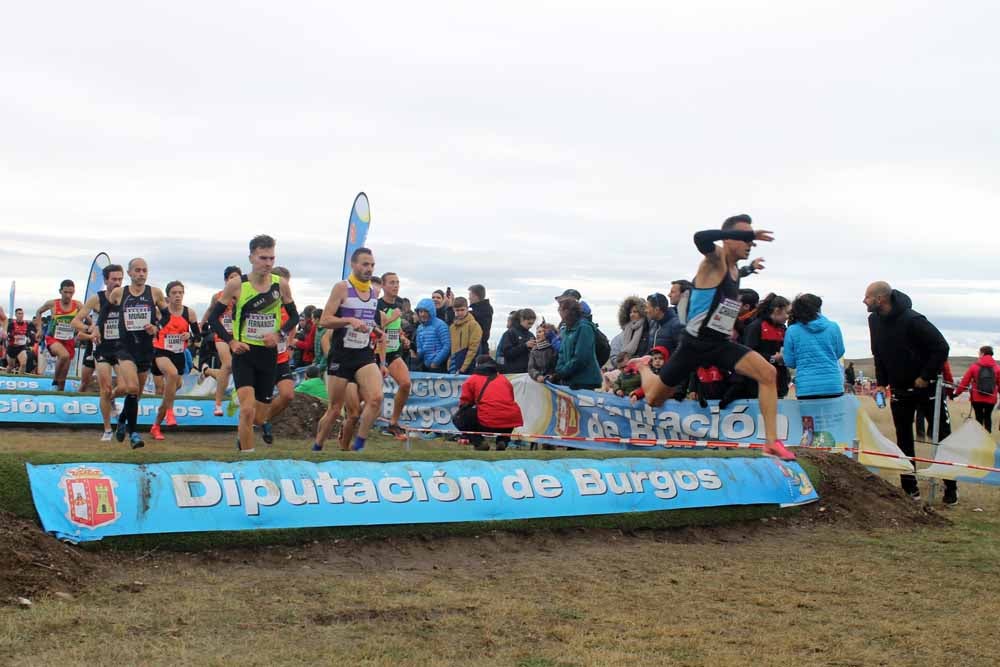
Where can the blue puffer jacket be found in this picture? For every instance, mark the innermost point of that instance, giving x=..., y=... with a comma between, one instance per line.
x=814, y=349
x=433, y=339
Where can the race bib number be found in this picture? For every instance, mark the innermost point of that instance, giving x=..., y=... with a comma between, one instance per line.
x=723, y=319
x=111, y=330
x=283, y=344
x=392, y=340
x=357, y=340
x=137, y=317
x=64, y=331
x=259, y=325
x=173, y=343
x=227, y=323
x=20, y=341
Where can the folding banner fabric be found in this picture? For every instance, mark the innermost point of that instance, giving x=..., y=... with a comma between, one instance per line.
x=969, y=444
x=88, y=501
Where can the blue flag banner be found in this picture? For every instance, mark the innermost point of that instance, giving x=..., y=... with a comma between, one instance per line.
x=357, y=230
x=89, y=501
x=95, y=277
x=10, y=311
x=83, y=409
x=562, y=413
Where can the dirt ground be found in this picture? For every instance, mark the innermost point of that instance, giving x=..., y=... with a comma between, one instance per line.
x=864, y=577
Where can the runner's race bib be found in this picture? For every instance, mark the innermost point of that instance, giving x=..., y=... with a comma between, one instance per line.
x=358, y=340
x=723, y=319
x=64, y=331
x=111, y=330
x=137, y=317
x=282, y=344
x=227, y=323
x=173, y=343
x=20, y=341
x=392, y=340
x=258, y=325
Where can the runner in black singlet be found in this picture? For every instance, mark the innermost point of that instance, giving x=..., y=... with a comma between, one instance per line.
x=106, y=332
x=709, y=313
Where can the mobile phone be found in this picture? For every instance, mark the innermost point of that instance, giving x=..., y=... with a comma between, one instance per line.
x=880, y=399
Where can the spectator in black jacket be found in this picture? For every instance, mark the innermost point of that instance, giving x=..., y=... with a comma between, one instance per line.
x=518, y=342
x=664, y=325
x=482, y=310
x=909, y=354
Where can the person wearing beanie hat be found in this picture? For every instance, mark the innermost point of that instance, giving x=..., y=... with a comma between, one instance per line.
x=493, y=396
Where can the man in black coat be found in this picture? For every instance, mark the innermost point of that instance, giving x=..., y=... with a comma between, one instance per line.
x=482, y=311
x=909, y=354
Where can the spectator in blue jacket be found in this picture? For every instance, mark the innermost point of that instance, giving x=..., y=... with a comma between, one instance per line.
x=813, y=347
x=433, y=339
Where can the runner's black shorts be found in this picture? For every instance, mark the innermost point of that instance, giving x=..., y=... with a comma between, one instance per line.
x=140, y=355
x=176, y=357
x=284, y=372
x=694, y=353
x=88, y=355
x=345, y=364
x=392, y=356
x=257, y=368
x=106, y=353
x=15, y=350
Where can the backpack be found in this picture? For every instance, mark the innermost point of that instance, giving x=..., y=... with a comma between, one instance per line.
x=986, y=380
x=602, y=347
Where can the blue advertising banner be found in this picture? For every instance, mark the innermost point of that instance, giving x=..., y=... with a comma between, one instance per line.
x=192, y=385
x=89, y=501
x=76, y=410
x=562, y=413
x=357, y=230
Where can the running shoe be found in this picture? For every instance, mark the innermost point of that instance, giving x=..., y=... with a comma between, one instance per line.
x=154, y=431
x=120, y=431
x=136, y=441
x=950, y=497
x=779, y=451
x=396, y=431
x=170, y=419
x=107, y=435
x=317, y=447
x=218, y=410
x=267, y=433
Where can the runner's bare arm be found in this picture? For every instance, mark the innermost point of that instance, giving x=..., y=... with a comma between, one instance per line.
x=92, y=304
x=45, y=307
x=215, y=315
x=211, y=307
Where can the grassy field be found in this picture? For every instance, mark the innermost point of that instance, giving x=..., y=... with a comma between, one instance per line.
x=763, y=592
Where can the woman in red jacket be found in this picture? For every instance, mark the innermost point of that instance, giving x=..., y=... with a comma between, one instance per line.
x=496, y=410
x=981, y=381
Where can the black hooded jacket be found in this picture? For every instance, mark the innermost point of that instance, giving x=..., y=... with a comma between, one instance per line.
x=905, y=346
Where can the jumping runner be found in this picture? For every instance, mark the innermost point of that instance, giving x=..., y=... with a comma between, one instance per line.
x=395, y=346
x=350, y=312
x=21, y=335
x=168, y=353
x=139, y=306
x=709, y=312
x=60, y=338
x=222, y=351
x=256, y=332
x=106, y=332
x=285, y=377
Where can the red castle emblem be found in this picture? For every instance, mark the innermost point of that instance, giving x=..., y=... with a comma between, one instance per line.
x=567, y=416
x=90, y=497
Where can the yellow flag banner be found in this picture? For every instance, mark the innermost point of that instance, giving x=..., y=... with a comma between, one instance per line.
x=972, y=454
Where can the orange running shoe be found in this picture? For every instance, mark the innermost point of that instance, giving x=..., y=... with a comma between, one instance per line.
x=154, y=431
x=170, y=420
x=779, y=451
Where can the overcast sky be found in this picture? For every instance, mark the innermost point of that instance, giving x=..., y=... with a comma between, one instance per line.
x=527, y=146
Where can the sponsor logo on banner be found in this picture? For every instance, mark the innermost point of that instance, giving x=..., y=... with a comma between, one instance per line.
x=567, y=416
x=90, y=497
x=798, y=482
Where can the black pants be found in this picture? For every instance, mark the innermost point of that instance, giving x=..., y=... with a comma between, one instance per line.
x=904, y=408
x=984, y=415
x=502, y=440
x=925, y=420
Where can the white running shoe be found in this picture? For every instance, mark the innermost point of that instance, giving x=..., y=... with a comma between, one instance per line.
x=107, y=435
